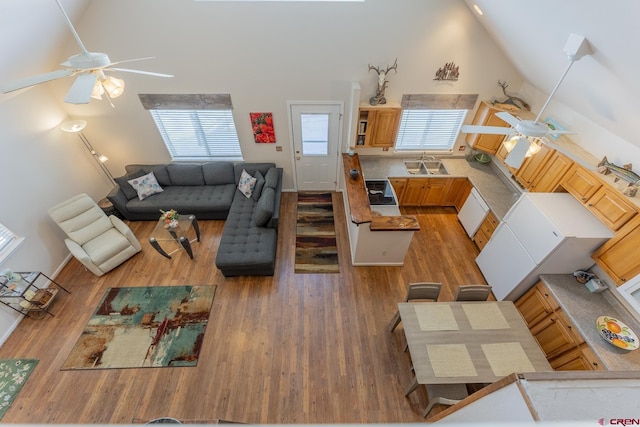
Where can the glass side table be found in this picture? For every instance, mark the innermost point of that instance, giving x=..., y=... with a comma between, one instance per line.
x=20, y=293
x=169, y=236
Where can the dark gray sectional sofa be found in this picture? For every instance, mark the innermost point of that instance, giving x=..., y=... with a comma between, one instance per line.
x=209, y=191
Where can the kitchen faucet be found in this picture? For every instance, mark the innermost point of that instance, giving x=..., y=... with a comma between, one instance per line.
x=424, y=157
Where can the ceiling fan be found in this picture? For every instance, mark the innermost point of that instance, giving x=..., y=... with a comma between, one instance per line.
x=89, y=67
x=528, y=133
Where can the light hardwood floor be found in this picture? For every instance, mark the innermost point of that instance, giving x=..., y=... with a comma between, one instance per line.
x=292, y=348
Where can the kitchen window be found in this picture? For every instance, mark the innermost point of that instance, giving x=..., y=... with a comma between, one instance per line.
x=432, y=122
x=195, y=127
x=8, y=242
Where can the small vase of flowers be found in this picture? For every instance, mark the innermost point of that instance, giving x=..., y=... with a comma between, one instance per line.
x=170, y=218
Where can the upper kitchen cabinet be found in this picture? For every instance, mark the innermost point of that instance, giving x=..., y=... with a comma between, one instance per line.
x=485, y=116
x=618, y=257
x=548, y=177
x=378, y=125
x=532, y=166
x=581, y=183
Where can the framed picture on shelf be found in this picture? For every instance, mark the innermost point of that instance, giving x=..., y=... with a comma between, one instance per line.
x=553, y=125
x=360, y=140
x=362, y=127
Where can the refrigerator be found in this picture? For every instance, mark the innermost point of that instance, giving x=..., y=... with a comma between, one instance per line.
x=542, y=233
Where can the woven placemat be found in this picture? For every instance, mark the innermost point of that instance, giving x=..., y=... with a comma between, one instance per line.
x=485, y=316
x=435, y=317
x=450, y=360
x=506, y=358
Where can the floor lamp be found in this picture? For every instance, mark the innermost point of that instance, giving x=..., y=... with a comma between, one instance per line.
x=76, y=126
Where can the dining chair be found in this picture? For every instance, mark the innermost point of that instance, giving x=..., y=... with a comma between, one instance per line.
x=473, y=293
x=444, y=394
x=424, y=291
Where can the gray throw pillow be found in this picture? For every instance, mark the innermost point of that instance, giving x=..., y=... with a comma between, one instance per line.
x=271, y=178
x=264, y=208
x=257, y=189
x=127, y=189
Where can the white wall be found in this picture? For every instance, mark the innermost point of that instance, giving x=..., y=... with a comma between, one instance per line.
x=41, y=166
x=267, y=53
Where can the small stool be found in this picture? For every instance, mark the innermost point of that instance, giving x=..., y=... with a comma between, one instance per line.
x=108, y=208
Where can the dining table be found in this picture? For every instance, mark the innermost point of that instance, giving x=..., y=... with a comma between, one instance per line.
x=468, y=342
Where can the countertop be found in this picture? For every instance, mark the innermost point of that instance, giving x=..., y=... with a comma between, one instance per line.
x=583, y=308
x=492, y=185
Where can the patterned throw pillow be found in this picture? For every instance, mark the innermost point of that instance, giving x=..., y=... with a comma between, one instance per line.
x=146, y=185
x=246, y=184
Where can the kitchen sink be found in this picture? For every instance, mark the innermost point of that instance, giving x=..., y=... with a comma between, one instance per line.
x=435, y=167
x=429, y=167
x=416, y=168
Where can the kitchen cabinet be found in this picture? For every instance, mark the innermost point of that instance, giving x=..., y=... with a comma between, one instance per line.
x=611, y=207
x=581, y=358
x=618, y=257
x=426, y=191
x=604, y=201
x=413, y=192
x=399, y=185
x=378, y=126
x=532, y=166
x=485, y=116
x=435, y=191
x=458, y=191
x=485, y=231
x=559, y=339
x=549, y=176
x=580, y=182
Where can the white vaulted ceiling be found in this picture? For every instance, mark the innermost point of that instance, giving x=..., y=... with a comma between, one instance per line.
x=603, y=87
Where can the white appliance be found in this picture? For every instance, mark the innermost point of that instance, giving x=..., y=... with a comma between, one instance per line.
x=542, y=233
x=473, y=212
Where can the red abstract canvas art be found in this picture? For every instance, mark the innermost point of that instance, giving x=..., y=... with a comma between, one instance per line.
x=262, y=124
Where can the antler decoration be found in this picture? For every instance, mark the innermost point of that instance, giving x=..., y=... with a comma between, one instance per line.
x=382, y=83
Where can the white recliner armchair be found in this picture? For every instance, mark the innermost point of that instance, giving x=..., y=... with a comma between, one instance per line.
x=99, y=242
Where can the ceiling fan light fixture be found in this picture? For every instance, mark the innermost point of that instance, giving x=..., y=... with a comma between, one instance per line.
x=511, y=142
x=113, y=86
x=97, y=91
x=534, y=148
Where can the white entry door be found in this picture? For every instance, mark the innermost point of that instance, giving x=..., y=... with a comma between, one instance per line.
x=316, y=138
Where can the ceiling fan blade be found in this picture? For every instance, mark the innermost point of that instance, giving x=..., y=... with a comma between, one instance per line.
x=148, y=73
x=492, y=130
x=564, y=132
x=34, y=80
x=518, y=153
x=131, y=60
x=507, y=117
x=80, y=92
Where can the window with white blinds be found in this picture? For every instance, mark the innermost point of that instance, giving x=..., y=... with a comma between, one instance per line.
x=429, y=129
x=8, y=242
x=198, y=134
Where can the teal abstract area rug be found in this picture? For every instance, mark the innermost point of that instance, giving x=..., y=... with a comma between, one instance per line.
x=316, y=250
x=140, y=327
x=13, y=374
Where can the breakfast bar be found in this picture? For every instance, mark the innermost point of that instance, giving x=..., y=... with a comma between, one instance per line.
x=379, y=236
